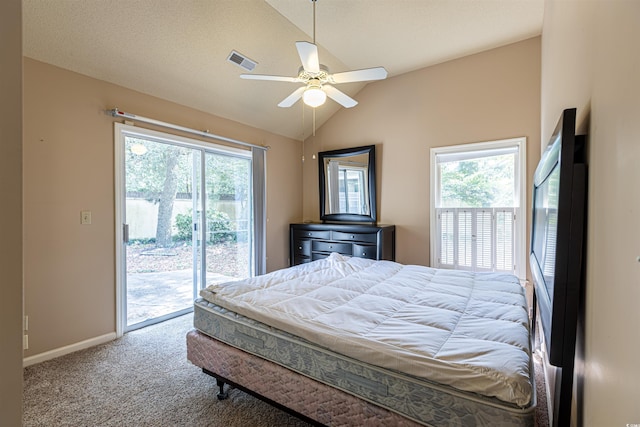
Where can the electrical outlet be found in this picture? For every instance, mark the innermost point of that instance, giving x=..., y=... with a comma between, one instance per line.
x=85, y=217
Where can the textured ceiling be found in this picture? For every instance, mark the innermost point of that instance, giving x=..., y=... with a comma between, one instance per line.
x=177, y=49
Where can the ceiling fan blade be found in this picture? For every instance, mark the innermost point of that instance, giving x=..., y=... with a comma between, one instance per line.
x=377, y=73
x=340, y=97
x=293, y=98
x=266, y=77
x=309, y=56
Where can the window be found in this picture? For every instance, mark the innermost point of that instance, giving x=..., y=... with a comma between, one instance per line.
x=477, y=206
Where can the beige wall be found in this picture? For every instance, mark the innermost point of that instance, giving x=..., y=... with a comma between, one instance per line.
x=69, y=167
x=11, y=213
x=489, y=96
x=590, y=60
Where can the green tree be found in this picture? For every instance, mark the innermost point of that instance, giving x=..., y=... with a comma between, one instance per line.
x=230, y=177
x=165, y=170
x=464, y=186
x=155, y=175
x=478, y=183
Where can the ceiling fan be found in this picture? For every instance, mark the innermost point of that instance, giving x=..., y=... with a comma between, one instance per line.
x=317, y=80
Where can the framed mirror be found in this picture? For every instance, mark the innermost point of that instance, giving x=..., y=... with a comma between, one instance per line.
x=348, y=184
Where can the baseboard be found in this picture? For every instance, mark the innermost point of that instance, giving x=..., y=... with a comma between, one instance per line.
x=52, y=354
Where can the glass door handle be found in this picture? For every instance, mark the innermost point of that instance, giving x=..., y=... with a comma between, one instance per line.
x=125, y=233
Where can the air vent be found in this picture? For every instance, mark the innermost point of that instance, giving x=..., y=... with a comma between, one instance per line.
x=241, y=61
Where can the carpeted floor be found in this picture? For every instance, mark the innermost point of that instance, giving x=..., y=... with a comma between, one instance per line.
x=144, y=379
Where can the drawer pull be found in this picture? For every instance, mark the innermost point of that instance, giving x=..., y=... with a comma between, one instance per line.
x=353, y=237
x=299, y=247
x=364, y=253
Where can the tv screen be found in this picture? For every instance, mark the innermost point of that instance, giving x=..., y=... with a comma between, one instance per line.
x=545, y=219
x=557, y=238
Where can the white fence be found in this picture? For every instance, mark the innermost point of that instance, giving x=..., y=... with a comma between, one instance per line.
x=142, y=215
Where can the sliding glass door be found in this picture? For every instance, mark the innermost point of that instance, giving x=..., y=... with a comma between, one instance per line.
x=187, y=222
x=228, y=234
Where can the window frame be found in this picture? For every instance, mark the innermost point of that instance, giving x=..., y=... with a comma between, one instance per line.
x=520, y=143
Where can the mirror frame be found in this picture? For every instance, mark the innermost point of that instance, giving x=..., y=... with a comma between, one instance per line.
x=371, y=178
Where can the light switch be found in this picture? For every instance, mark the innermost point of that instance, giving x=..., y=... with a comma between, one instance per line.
x=85, y=217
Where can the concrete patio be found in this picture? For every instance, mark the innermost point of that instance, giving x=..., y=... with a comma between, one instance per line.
x=151, y=295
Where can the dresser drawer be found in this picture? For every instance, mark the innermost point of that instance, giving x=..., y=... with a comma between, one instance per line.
x=313, y=241
x=355, y=237
x=319, y=255
x=302, y=247
x=312, y=234
x=342, y=248
x=365, y=251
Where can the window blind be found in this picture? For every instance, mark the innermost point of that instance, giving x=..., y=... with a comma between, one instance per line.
x=476, y=239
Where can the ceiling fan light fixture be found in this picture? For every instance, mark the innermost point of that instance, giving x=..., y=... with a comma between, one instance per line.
x=314, y=96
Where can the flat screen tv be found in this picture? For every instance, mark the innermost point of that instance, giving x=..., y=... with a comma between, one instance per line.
x=557, y=234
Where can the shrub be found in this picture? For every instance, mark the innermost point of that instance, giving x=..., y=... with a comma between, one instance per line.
x=218, y=223
x=219, y=227
x=184, y=225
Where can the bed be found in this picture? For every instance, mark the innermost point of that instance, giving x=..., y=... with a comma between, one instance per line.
x=352, y=341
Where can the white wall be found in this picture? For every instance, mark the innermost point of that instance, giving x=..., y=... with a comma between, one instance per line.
x=591, y=60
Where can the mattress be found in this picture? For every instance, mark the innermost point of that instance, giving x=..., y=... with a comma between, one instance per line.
x=481, y=366
x=416, y=399
x=458, y=328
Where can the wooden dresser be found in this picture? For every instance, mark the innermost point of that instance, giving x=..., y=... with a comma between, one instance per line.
x=312, y=241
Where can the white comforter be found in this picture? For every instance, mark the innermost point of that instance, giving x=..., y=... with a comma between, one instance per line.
x=466, y=330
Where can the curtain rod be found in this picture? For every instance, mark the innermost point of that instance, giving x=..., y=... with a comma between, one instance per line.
x=117, y=113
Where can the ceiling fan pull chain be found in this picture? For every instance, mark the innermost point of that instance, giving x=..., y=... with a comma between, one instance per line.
x=303, y=135
x=314, y=21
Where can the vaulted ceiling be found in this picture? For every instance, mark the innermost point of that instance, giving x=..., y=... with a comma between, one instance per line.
x=178, y=49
